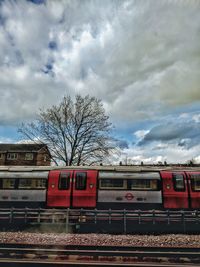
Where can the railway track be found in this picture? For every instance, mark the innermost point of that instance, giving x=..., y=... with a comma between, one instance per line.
x=95, y=264
x=43, y=255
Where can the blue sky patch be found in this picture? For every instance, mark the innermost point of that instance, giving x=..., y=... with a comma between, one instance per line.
x=53, y=45
x=37, y=2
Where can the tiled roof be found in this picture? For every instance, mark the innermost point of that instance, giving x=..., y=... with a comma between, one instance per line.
x=21, y=147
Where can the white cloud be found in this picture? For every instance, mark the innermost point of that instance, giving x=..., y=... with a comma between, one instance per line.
x=196, y=118
x=141, y=133
x=150, y=155
x=140, y=57
x=174, y=139
x=184, y=116
x=197, y=159
x=119, y=51
x=6, y=140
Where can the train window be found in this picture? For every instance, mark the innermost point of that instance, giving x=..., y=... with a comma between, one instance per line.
x=178, y=180
x=64, y=181
x=40, y=183
x=8, y=183
x=143, y=184
x=27, y=183
x=195, y=182
x=81, y=181
x=112, y=184
x=24, y=184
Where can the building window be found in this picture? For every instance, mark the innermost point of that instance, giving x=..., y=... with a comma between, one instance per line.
x=12, y=156
x=1, y=155
x=29, y=156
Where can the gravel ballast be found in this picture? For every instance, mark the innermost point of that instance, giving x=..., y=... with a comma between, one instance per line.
x=170, y=240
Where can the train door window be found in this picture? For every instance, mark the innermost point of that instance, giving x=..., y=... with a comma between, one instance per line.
x=178, y=181
x=112, y=184
x=9, y=183
x=195, y=182
x=81, y=181
x=144, y=184
x=64, y=181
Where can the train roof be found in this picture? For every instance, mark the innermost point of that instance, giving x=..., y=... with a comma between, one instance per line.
x=136, y=168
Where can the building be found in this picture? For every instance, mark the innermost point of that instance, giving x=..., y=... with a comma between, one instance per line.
x=25, y=155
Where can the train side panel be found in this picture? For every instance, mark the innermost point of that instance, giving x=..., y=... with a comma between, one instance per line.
x=175, y=190
x=23, y=189
x=129, y=190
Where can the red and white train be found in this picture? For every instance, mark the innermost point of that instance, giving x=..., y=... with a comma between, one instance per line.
x=117, y=187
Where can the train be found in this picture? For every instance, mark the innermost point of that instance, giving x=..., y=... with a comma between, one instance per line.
x=100, y=187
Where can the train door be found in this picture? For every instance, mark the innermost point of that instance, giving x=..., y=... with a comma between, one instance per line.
x=84, y=189
x=59, y=188
x=72, y=189
x=194, y=189
x=175, y=190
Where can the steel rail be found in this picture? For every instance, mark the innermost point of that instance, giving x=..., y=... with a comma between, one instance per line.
x=20, y=263
x=105, y=254
x=99, y=248
x=94, y=253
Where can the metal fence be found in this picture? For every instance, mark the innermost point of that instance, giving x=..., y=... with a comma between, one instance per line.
x=100, y=219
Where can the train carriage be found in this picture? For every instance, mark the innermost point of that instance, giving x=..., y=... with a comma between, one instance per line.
x=23, y=189
x=100, y=187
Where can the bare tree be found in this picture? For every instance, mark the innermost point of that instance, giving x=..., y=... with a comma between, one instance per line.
x=76, y=132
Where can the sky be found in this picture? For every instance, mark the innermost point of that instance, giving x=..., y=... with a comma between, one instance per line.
x=140, y=57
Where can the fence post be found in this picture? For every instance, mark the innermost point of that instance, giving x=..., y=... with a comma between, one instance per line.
x=95, y=216
x=124, y=221
x=154, y=217
x=109, y=214
x=67, y=221
x=39, y=216
x=25, y=215
x=11, y=215
x=139, y=217
x=168, y=217
x=53, y=216
x=197, y=217
x=183, y=220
